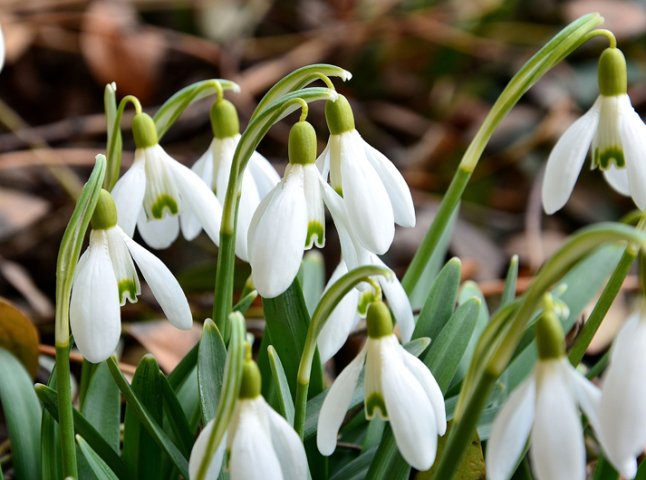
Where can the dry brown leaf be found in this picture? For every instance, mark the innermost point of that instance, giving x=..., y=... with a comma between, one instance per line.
x=19, y=210
x=18, y=335
x=18, y=37
x=623, y=17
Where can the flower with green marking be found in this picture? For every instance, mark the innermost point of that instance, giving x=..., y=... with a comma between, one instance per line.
x=398, y=387
x=259, y=443
x=157, y=190
x=623, y=398
x=545, y=407
x=352, y=307
x=374, y=191
x=289, y=219
x=105, y=278
x=214, y=167
x=616, y=133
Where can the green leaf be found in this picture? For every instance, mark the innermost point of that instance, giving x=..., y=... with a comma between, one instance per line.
x=287, y=322
x=312, y=278
x=22, y=413
x=357, y=468
x=441, y=301
x=509, y=292
x=184, y=369
x=96, y=463
x=285, y=400
x=175, y=105
x=114, y=143
x=101, y=403
x=138, y=409
x=210, y=369
x=49, y=448
x=48, y=398
x=175, y=415
x=245, y=302
x=188, y=396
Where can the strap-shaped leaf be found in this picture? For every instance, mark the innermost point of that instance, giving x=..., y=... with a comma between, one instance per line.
x=210, y=369
x=96, y=463
x=285, y=400
x=101, y=403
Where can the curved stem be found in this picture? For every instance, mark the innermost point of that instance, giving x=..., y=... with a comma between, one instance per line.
x=113, y=151
x=602, y=32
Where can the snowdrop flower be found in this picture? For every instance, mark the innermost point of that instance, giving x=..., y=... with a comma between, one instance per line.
x=398, y=388
x=545, y=407
x=623, y=408
x=106, y=277
x=617, y=135
x=290, y=218
x=157, y=188
x=259, y=442
x=375, y=193
x=215, y=165
x=352, y=307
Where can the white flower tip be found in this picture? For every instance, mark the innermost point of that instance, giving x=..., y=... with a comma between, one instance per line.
x=112, y=86
x=346, y=76
x=551, y=204
x=235, y=88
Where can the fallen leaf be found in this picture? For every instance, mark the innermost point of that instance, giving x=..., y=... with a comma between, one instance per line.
x=18, y=335
x=19, y=210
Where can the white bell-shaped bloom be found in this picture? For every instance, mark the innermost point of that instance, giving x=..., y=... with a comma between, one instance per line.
x=260, y=443
x=214, y=167
x=375, y=193
x=288, y=220
x=105, y=278
x=614, y=133
x=156, y=189
x=623, y=399
x=347, y=313
x=545, y=408
x=398, y=388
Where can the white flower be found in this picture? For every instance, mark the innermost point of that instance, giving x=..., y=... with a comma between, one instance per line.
x=260, y=443
x=288, y=220
x=347, y=313
x=617, y=135
x=105, y=278
x=545, y=406
x=623, y=399
x=375, y=193
x=398, y=388
x=157, y=188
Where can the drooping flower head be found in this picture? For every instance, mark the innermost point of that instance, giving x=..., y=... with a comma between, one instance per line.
x=615, y=134
x=259, y=442
x=106, y=277
x=156, y=190
x=375, y=193
x=398, y=388
x=545, y=408
x=214, y=167
x=289, y=219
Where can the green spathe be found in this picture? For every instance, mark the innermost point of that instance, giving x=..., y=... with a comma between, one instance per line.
x=105, y=212
x=302, y=144
x=379, y=320
x=224, y=119
x=144, y=131
x=339, y=116
x=612, y=73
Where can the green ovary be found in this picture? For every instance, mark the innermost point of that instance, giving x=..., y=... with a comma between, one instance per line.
x=127, y=289
x=610, y=155
x=162, y=203
x=315, y=234
x=376, y=402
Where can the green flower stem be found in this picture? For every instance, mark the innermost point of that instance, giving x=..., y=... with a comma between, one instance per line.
x=113, y=151
x=602, y=306
x=564, y=43
x=498, y=348
x=230, y=390
x=258, y=127
x=326, y=305
x=68, y=256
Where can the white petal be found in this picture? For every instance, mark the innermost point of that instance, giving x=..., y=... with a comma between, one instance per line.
x=124, y=269
x=158, y=234
x=411, y=415
x=277, y=235
x=336, y=403
x=566, y=160
x=337, y=209
x=341, y=321
x=557, y=451
x=249, y=201
x=222, y=150
x=199, y=451
x=252, y=454
x=94, y=307
x=161, y=197
x=323, y=162
x=587, y=394
x=128, y=194
x=315, y=211
x=430, y=386
x=396, y=187
x=633, y=133
x=165, y=288
x=622, y=408
x=510, y=430
x=263, y=173
x=199, y=199
x=398, y=303
x=618, y=179
x=367, y=203
x=287, y=445
x=189, y=222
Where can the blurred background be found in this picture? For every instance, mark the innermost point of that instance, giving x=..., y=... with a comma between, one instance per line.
x=425, y=75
